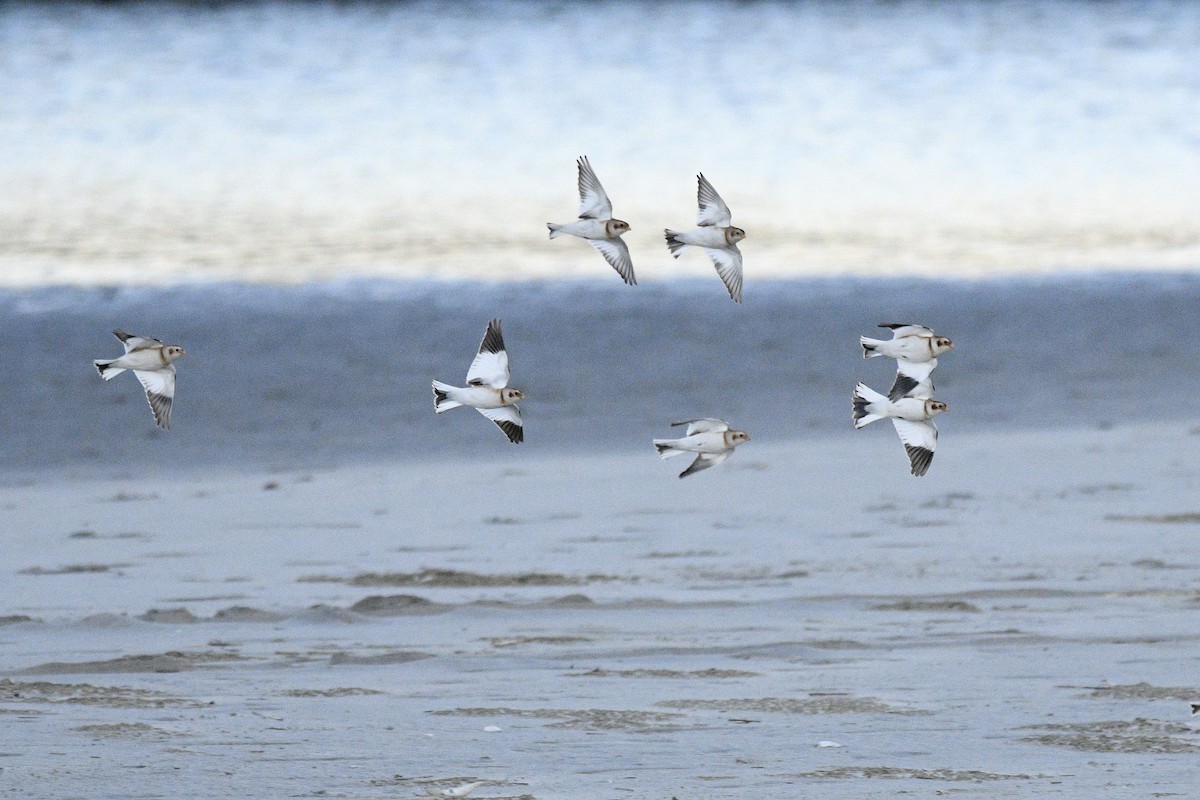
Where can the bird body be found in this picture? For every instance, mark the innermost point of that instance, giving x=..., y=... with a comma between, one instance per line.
x=716, y=235
x=911, y=416
x=596, y=225
x=153, y=364
x=711, y=439
x=914, y=343
x=487, y=389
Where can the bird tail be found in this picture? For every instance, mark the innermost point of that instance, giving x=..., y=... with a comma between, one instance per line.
x=441, y=397
x=666, y=448
x=555, y=230
x=673, y=243
x=870, y=346
x=866, y=408
x=106, y=368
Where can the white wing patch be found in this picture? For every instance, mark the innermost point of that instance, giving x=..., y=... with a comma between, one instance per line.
x=703, y=425
x=712, y=209
x=160, y=392
x=132, y=342
x=912, y=380
x=616, y=253
x=728, y=261
x=900, y=330
x=508, y=418
x=593, y=201
x=920, y=440
x=704, y=461
x=490, y=367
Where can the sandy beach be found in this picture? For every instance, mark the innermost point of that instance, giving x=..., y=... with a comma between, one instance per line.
x=807, y=619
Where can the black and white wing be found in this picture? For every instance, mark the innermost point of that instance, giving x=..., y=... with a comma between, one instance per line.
x=160, y=392
x=728, y=261
x=712, y=209
x=508, y=418
x=901, y=329
x=912, y=380
x=920, y=440
x=703, y=425
x=704, y=461
x=133, y=342
x=490, y=367
x=616, y=253
x=593, y=201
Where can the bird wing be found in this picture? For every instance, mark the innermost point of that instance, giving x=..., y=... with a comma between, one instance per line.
x=703, y=425
x=508, y=418
x=902, y=329
x=912, y=380
x=160, y=392
x=133, y=342
x=616, y=253
x=712, y=209
x=490, y=367
x=704, y=461
x=593, y=201
x=920, y=440
x=728, y=261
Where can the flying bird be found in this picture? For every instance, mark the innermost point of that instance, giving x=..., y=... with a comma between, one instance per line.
x=596, y=224
x=914, y=343
x=716, y=236
x=912, y=416
x=487, y=387
x=712, y=439
x=153, y=363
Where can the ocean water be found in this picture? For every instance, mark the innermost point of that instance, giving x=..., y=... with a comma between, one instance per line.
x=285, y=143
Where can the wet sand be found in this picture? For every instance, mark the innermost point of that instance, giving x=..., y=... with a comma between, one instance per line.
x=806, y=620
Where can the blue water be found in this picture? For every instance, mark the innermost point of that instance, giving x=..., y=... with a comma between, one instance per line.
x=283, y=142
x=339, y=373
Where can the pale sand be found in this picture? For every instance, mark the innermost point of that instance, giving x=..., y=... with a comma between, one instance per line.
x=1023, y=622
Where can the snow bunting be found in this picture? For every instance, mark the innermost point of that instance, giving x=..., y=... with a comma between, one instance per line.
x=596, y=224
x=912, y=416
x=711, y=438
x=487, y=387
x=914, y=343
x=153, y=364
x=716, y=236
x=1196, y=709
x=462, y=790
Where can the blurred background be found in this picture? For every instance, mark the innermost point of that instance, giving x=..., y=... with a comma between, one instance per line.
x=289, y=142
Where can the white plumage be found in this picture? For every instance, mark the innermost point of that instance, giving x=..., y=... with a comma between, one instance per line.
x=596, y=224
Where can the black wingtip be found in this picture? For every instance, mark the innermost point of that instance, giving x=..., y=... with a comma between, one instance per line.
x=493, y=339
x=920, y=458
x=514, y=432
x=903, y=385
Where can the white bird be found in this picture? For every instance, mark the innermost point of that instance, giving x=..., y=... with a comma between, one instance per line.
x=152, y=362
x=716, y=236
x=712, y=439
x=912, y=416
x=463, y=790
x=487, y=387
x=914, y=343
x=596, y=224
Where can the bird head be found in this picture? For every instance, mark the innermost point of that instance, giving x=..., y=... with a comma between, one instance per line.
x=616, y=227
x=511, y=395
x=735, y=235
x=173, y=351
x=737, y=437
x=943, y=344
x=935, y=407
